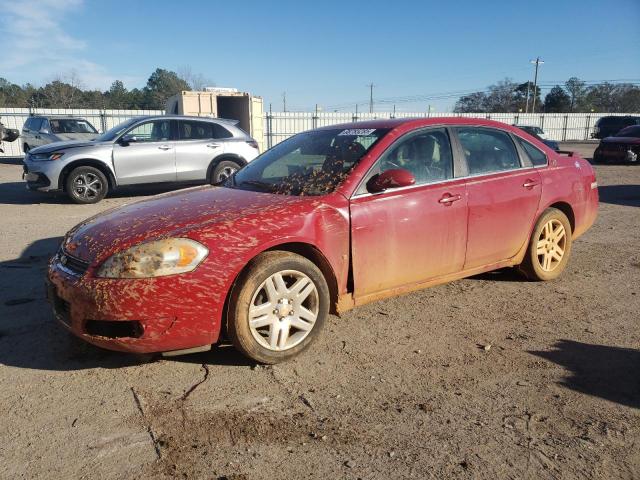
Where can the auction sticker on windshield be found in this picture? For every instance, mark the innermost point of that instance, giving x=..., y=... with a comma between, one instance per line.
x=359, y=132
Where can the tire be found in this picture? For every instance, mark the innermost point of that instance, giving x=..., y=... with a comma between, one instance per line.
x=283, y=326
x=549, y=247
x=86, y=185
x=26, y=148
x=222, y=171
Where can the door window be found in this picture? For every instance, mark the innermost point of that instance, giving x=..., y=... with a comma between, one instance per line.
x=194, y=130
x=487, y=150
x=426, y=154
x=157, y=131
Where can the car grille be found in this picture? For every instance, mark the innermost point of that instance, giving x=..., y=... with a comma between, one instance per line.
x=71, y=263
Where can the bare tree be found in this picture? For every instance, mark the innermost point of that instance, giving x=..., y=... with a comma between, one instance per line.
x=197, y=81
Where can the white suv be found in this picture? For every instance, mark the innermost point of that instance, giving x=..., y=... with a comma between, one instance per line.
x=143, y=150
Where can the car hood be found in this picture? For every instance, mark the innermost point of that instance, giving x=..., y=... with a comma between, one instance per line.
x=75, y=136
x=58, y=146
x=625, y=140
x=193, y=212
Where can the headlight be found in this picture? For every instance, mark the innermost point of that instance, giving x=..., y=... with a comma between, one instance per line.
x=43, y=157
x=155, y=259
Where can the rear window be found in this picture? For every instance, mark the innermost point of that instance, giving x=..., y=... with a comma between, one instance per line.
x=221, y=132
x=537, y=157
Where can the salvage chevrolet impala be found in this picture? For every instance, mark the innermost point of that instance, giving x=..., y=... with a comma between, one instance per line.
x=324, y=221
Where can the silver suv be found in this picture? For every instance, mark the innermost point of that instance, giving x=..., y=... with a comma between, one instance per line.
x=39, y=130
x=143, y=150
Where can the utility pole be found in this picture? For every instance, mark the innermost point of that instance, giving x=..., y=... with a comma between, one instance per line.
x=284, y=101
x=371, y=85
x=537, y=63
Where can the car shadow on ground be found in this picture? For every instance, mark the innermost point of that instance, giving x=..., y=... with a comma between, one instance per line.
x=16, y=193
x=627, y=195
x=31, y=338
x=599, y=370
x=508, y=274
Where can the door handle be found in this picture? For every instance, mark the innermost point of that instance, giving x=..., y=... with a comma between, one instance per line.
x=530, y=184
x=213, y=145
x=164, y=147
x=448, y=199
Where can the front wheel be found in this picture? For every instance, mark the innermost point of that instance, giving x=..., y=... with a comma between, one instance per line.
x=86, y=185
x=549, y=247
x=278, y=307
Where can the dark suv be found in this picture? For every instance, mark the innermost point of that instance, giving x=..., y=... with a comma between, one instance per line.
x=609, y=126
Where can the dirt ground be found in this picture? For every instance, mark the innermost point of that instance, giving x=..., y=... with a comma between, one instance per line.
x=403, y=388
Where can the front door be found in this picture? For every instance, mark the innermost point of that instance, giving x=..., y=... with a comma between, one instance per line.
x=408, y=235
x=148, y=157
x=503, y=195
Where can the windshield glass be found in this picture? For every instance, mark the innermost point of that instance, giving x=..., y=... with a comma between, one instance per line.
x=112, y=133
x=310, y=163
x=71, y=125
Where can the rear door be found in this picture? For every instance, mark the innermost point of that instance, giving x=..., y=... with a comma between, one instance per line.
x=409, y=235
x=196, y=147
x=503, y=195
x=149, y=157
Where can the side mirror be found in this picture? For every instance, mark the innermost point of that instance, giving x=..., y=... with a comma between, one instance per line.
x=127, y=139
x=394, y=178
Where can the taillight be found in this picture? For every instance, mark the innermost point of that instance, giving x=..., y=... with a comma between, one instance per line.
x=253, y=143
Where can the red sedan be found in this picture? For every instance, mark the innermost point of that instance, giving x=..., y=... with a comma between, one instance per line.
x=324, y=221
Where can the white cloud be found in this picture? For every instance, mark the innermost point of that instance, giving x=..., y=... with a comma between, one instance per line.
x=36, y=47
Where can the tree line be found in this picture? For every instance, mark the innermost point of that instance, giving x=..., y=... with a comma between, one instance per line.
x=68, y=92
x=575, y=96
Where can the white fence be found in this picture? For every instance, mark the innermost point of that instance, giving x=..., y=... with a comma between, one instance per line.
x=101, y=119
x=281, y=125
x=557, y=126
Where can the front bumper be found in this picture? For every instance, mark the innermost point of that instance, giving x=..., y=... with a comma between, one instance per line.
x=41, y=176
x=132, y=315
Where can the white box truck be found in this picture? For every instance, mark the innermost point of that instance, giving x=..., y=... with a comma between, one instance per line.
x=222, y=103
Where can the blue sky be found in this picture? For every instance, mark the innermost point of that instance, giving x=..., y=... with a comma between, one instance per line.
x=323, y=52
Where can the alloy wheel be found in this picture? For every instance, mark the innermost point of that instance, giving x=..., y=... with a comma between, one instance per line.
x=87, y=186
x=225, y=173
x=283, y=310
x=551, y=245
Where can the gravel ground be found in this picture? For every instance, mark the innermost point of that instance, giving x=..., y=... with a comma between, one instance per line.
x=488, y=377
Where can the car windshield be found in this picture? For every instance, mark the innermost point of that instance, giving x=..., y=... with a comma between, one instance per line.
x=629, y=132
x=71, y=125
x=112, y=133
x=310, y=163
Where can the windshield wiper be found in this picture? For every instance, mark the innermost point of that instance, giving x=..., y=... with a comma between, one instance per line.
x=266, y=186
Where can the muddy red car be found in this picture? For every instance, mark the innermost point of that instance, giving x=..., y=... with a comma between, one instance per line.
x=324, y=221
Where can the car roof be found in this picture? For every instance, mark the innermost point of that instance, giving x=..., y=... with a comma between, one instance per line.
x=409, y=123
x=227, y=121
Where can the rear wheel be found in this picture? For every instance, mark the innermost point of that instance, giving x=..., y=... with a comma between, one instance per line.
x=549, y=247
x=86, y=185
x=223, y=170
x=278, y=307
x=26, y=148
